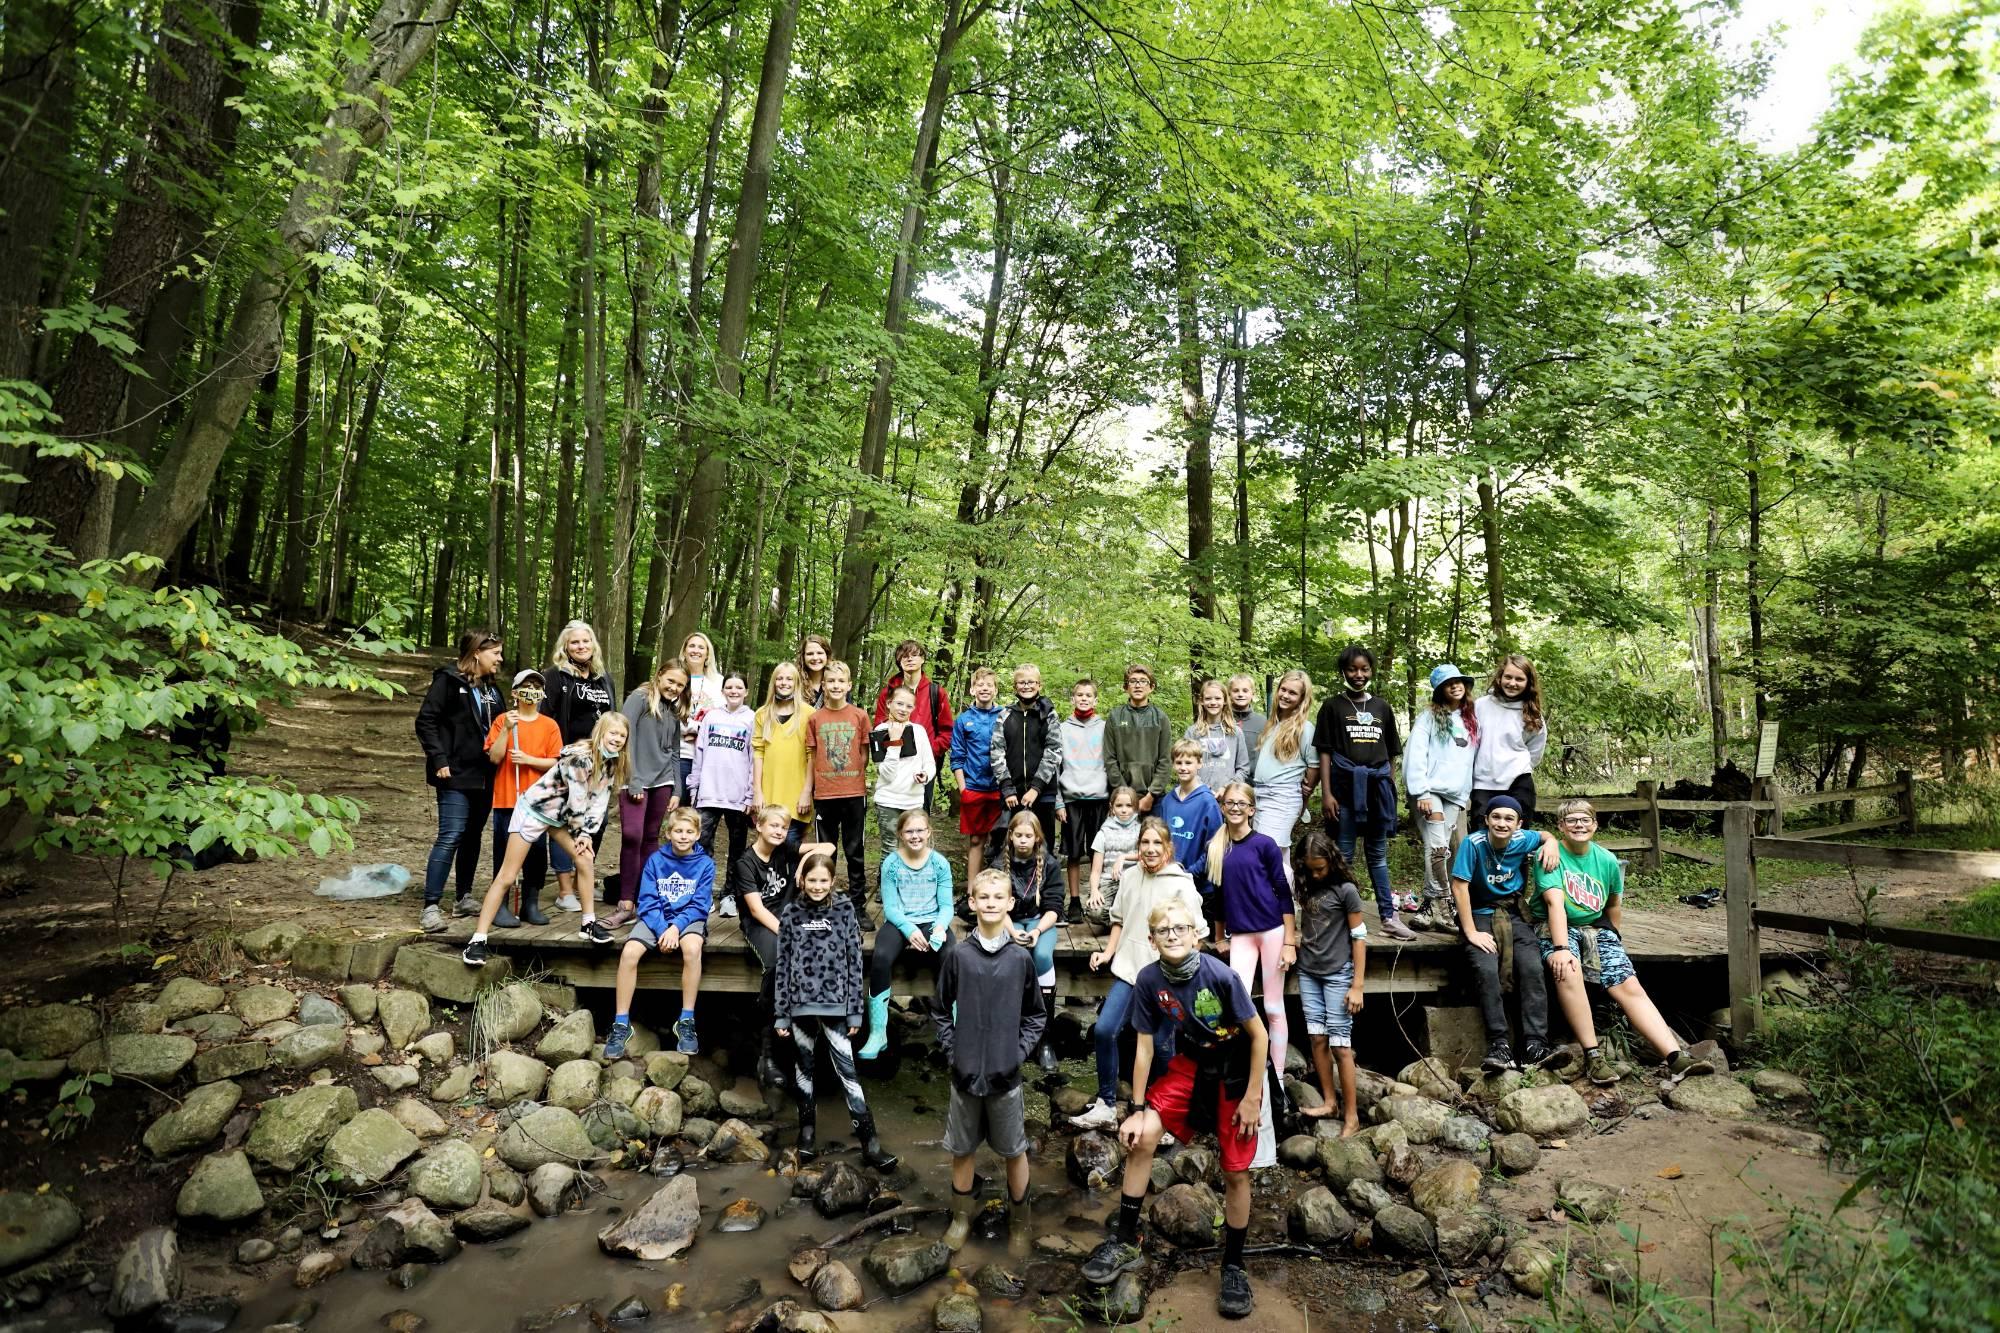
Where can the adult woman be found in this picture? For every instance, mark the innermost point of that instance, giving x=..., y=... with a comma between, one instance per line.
x=815, y=651
x=1512, y=736
x=452, y=722
x=1286, y=766
x=704, y=692
x=654, y=785
x=580, y=691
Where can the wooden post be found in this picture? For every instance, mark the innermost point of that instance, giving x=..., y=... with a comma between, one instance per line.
x=1906, y=799
x=1649, y=824
x=1746, y=970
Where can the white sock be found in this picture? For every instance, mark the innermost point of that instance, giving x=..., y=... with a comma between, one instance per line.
x=588, y=917
x=479, y=937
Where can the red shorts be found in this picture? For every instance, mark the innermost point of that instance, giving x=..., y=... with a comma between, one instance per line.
x=978, y=812
x=1168, y=1096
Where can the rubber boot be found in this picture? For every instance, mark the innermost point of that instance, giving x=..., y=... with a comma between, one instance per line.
x=531, y=906
x=963, y=1206
x=873, y=1154
x=878, y=1028
x=1020, y=1228
x=1045, y=1052
x=768, y=1073
x=808, y=1131
x=1284, y=1116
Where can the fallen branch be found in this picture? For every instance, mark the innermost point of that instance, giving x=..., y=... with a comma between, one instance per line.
x=889, y=1215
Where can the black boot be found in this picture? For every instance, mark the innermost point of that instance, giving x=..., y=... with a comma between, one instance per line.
x=873, y=1154
x=1284, y=1116
x=808, y=1130
x=768, y=1073
x=1045, y=1052
x=531, y=905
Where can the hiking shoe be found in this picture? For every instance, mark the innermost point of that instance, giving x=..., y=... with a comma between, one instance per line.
x=684, y=1037
x=1110, y=1259
x=614, y=1040
x=569, y=903
x=1499, y=1057
x=594, y=931
x=1538, y=1054
x=1098, y=1115
x=474, y=954
x=1601, y=1070
x=1075, y=913
x=727, y=907
x=621, y=915
x=1234, y=1300
x=1396, y=930
x=432, y=921
x=467, y=905
x=1423, y=921
x=1682, y=1065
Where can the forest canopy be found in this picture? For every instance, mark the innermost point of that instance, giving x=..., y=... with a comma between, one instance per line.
x=1213, y=335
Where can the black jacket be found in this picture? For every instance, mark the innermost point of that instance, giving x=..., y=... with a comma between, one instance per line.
x=819, y=961
x=451, y=726
x=1027, y=752
x=987, y=1037
x=576, y=702
x=1032, y=899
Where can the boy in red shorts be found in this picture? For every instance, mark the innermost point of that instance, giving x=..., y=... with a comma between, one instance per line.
x=1213, y=1082
x=971, y=758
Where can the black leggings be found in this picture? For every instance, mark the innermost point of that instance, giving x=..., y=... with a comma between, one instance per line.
x=842, y=820
x=1521, y=789
x=889, y=946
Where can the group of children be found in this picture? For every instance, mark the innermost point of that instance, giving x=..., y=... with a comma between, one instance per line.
x=1163, y=841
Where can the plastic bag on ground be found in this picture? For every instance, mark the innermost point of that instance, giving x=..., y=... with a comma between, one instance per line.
x=376, y=881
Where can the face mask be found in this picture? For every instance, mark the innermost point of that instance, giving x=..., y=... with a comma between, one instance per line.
x=781, y=692
x=612, y=749
x=528, y=695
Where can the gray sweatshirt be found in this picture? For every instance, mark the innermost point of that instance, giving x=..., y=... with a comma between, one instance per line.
x=655, y=746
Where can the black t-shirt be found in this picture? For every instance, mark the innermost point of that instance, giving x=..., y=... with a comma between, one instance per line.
x=1364, y=729
x=775, y=880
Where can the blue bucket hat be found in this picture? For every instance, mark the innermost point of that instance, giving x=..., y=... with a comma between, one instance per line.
x=1444, y=674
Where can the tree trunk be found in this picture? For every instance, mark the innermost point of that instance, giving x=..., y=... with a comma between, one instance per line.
x=292, y=565
x=38, y=54
x=1753, y=572
x=499, y=438
x=346, y=508
x=398, y=38
x=1198, y=423
x=517, y=378
x=1711, y=643
x=694, y=545
x=563, y=555
x=856, y=593
x=1246, y=592
x=447, y=554
x=242, y=542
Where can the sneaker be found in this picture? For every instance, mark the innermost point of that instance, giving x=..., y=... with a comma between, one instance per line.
x=1536, y=1053
x=684, y=1037
x=432, y=920
x=1167, y=1140
x=728, y=907
x=1499, y=1057
x=614, y=1040
x=1098, y=1116
x=1396, y=930
x=467, y=905
x=594, y=931
x=1601, y=1071
x=1110, y=1259
x=474, y=954
x=1682, y=1065
x=1423, y=921
x=1075, y=913
x=1234, y=1301
x=568, y=903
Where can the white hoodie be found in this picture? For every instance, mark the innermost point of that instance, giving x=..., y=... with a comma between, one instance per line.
x=1504, y=752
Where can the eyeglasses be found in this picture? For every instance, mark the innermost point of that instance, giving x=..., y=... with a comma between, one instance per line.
x=1579, y=821
x=1237, y=805
x=1171, y=932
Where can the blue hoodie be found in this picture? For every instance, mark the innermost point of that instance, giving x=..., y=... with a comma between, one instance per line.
x=675, y=891
x=1192, y=819
x=972, y=747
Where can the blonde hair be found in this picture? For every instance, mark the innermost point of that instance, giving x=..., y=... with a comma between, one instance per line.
x=764, y=812
x=986, y=673
x=1286, y=738
x=1226, y=716
x=987, y=878
x=1185, y=749
x=652, y=687
x=709, y=667
x=1574, y=805
x=559, y=656
x=1041, y=843
x=767, y=717
x=1172, y=906
x=682, y=815
x=1218, y=846
x=620, y=769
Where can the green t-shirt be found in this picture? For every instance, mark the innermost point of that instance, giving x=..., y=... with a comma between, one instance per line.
x=1588, y=882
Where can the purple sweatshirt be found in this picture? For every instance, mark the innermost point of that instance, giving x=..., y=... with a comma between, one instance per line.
x=722, y=768
x=1256, y=895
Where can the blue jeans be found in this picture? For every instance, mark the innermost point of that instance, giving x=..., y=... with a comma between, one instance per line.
x=1110, y=1023
x=1045, y=947
x=461, y=819
x=1346, y=834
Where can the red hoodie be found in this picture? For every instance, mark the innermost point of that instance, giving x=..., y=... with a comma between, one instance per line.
x=932, y=713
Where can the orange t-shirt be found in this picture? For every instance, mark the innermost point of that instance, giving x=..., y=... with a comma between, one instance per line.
x=837, y=739
x=540, y=737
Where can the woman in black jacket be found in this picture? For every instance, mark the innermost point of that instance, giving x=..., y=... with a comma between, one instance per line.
x=580, y=692
x=1038, y=903
x=452, y=723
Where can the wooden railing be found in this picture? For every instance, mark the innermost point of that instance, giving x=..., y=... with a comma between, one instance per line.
x=1742, y=849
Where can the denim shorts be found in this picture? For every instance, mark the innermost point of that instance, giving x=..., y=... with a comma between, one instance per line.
x=1324, y=1000
x=1599, y=949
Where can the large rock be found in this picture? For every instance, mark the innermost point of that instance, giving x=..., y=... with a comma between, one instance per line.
x=1515, y=1154
x=666, y=1069
x=258, y=1005
x=455, y=1086
x=1449, y=1187
x=436, y=1047
x=15, y=1071
x=34, y=1225
x=1093, y=1160
x=317, y=1010
x=659, y=1110
x=1723, y=1097
x=662, y=1227
x=139, y=1016
x=1404, y=1231
x=1431, y=1077
x=956, y=1312
x=289, y=1130
x=574, y=1084
x=207, y=1028
x=1588, y=1200
x=570, y=1039
x=369, y=1148
x=443, y=975
x=1778, y=1086
x=1463, y=1237
x=1366, y=1196
x=553, y=1187
x=735, y=1141
x=1300, y=1152
x=396, y=1078
x=698, y=1098
x=271, y=942
x=550, y=1134
x=901, y=1264
x=505, y=1184
x=419, y=1119
x=1344, y=1161
x=509, y=1013
x=1543, y=1112
x=841, y=1189
x=311, y=1047
x=426, y=1236
x=1421, y=1118
x=743, y=1105
x=484, y=1224
x=833, y=1286
x=744, y=1214
x=233, y=1061
x=362, y=1001
x=222, y=1188
x=1317, y=1218
x=324, y=957
x=448, y=1176
x=622, y=1089
x=316, y=1266
x=1464, y=1133
x=41, y=1032
x=1531, y=1267
x=148, y=1274
x=153, y=1058
x=404, y=1014
x=1121, y=1303
x=1188, y=1215
x=511, y=1076
x=196, y=1121
x=364, y=1042
x=184, y=997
